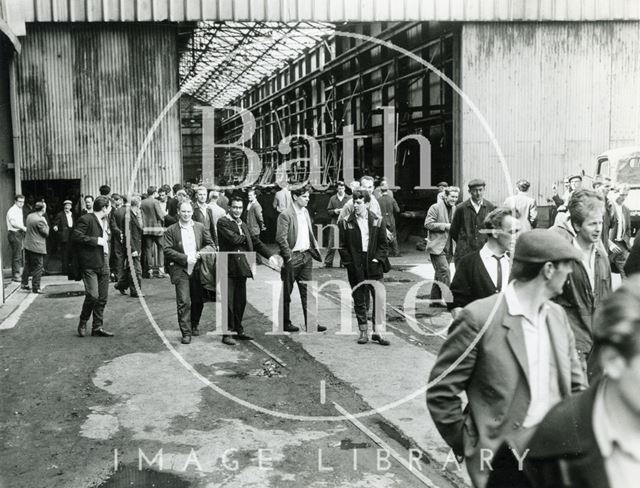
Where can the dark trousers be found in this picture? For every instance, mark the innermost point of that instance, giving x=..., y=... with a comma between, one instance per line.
x=440, y=264
x=96, y=293
x=152, y=254
x=236, y=303
x=34, y=266
x=65, y=249
x=363, y=295
x=118, y=258
x=296, y=270
x=127, y=276
x=189, y=301
x=331, y=252
x=15, y=242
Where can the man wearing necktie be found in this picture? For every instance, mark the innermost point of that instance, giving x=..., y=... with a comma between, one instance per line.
x=92, y=236
x=486, y=271
x=181, y=244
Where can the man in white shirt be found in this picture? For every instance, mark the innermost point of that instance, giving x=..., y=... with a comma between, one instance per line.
x=485, y=272
x=298, y=247
x=589, y=440
x=512, y=353
x=181, y=244
x=16, y=232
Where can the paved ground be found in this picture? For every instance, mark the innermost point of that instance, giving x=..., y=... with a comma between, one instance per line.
x=213, y=415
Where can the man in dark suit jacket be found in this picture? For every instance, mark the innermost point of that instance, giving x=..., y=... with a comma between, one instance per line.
x=364, y=264
x=468, y=220
x=153, y=219
x=588, y=440
x=182, y=243
x=512, y=353
x=131, y=228
x=485, y=272
x=203, y=214
x=91, y=236
x=235, y=237
x=63, y=225
x=298, y=246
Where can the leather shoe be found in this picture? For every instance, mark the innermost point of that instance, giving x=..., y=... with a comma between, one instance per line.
x=25, y=287
x=380, y=340
x=244, y=337
x=321, y=328
x=121, y=290
x=291, y=328
x=82, y=329
x=186, y=340
x=363, y=339
x=39, y=292
x=226, y=339
x=195, y=331
x=101, y=333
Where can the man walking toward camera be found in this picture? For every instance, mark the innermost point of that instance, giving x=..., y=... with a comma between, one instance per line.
x=468, y=220
x=298, y=247
x=91, y=235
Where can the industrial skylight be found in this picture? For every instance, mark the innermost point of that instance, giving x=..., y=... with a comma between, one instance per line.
x=222, y=60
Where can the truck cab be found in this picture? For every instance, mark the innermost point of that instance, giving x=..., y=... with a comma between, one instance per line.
x=622, y=165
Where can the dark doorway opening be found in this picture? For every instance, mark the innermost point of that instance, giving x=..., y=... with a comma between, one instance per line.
x=54, y=193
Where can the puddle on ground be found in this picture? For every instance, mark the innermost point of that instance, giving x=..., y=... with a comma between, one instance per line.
x=132, y=477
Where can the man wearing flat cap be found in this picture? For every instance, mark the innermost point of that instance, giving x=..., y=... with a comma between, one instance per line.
x=468, y=220
x=63, y=227
x=514, y=354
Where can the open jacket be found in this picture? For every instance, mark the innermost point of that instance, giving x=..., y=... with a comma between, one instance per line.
x=287, y=232
x=351, y=247
x=438, y=240
x=494, y=375
x=578, y=299
x=466, y=226
x=563, y=453
x=174, y=256
x=232, y=241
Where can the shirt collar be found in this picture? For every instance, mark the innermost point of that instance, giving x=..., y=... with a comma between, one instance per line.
x=610, y=435
x=514, y=306
x=230, y=217
x=299, y=211
x=485, y=252
x=185, y=226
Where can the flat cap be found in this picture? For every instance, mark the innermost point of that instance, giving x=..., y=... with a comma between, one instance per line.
x=443, y=184
x=67, y=201
x=542, y=245
x=575, y=177
x=476, y=182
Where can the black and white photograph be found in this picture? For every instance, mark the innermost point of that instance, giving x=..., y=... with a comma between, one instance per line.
x=319, y=243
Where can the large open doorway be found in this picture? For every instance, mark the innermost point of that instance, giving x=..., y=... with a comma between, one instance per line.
x=54, y=193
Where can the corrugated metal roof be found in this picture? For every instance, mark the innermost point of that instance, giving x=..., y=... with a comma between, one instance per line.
x=20, y=11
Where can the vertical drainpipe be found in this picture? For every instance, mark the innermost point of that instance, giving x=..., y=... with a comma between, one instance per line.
x=17, y=143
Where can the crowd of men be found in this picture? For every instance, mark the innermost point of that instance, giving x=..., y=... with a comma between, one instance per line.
x=535, y=320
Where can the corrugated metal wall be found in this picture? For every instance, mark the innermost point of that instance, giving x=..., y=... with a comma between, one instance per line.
x=7, y=176
x=556, y=96
x=88, y=94
x=318, y=10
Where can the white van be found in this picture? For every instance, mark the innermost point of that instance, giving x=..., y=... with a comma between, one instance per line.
x=622, y=165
